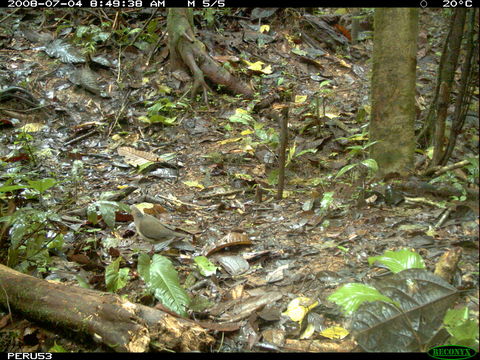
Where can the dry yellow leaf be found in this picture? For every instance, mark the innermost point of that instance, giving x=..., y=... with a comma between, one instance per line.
x=32, y=127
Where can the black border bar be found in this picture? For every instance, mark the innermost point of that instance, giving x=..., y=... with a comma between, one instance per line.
x=238, y=3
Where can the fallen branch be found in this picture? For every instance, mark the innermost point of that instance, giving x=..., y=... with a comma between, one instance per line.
x=424, y=201
x=447, y=168
x=106, y=317
x=439, y=170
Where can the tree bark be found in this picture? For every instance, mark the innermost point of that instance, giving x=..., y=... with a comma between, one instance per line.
x=355, y=26
x=393, y=90
x=465, y=89
x=446, y=83
x=118, y=323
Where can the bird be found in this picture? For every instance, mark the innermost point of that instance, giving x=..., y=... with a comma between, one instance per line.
x=152, y=230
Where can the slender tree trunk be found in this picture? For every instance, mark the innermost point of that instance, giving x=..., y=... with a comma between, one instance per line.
x=355, y=26
x=447, y=75
x=465, y=90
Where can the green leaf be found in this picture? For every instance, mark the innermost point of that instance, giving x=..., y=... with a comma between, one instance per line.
x=142, y=167
x=299, y=52
x=327, y=200
x=101, y=36
x=134, y=31
x=8, y=188
x=397, y=261
x=455, y=317
x=92, y=213
x=246, y=177
x=272, y=177
x=241, y=116
x=81, y=30
x=300, y=153
x=160, y=119
x=429, y=152
x=57, y=348
x=205, y=266
x=200, y=303
x=116, y=278
x=371, y=164
x=42, y=185
x=143, y=267
x=82, y=282
x=350, y=296
x=17, y=231
x=107, y=210
x=162, y=280
x=77, y=169
x=466, y=333
x=345, y=169
x=355, y=148
x=324, y=83
x=56, y=243
x=464, y=330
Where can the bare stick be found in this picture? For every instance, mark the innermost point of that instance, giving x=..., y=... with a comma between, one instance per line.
x=281, y=150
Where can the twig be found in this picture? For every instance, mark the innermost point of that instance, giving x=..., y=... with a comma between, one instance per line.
x=443, y=218
x=81, y=137
x=281, y=150
x=424, y=201
x=7, y=16
x=120, y=113
x=155, y=47
x=119, y=71
x=225, y=193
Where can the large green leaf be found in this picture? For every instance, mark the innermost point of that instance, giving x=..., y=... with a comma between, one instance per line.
x=162, y=279
x=350, y=296
x=397, y=261
x=421, y=300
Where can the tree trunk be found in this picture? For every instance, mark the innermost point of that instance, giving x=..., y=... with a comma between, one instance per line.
x=446, y=81
x=106, y=317
x=355, y=26
x=445, y=73
x=465, y=89
x=393, y=90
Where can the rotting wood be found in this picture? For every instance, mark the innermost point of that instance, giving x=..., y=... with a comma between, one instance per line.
x=117, y=323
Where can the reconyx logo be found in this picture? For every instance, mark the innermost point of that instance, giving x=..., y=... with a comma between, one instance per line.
x=456, y=352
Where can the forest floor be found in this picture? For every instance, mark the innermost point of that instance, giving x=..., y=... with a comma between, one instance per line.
x=123, y=122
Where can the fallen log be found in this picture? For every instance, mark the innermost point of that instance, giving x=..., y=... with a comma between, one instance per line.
x=106, y=317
